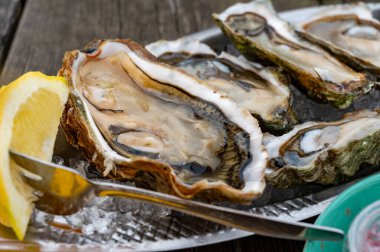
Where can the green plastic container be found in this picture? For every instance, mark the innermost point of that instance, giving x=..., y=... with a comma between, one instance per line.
x=343, y=210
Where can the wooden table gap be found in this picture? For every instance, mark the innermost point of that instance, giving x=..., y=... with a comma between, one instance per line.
x=10, y=13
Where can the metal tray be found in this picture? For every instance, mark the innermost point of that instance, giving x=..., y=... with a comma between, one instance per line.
x=112, y=224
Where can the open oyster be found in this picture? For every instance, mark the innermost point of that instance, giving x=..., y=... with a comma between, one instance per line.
x=258, y=32
x=263, y=91
x=349, y=32
x=323, y=152
x=137, y=118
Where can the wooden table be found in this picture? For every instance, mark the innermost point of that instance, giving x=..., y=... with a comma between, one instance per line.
x=35, y=33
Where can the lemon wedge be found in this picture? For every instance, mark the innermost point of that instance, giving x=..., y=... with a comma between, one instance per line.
x=30, y=110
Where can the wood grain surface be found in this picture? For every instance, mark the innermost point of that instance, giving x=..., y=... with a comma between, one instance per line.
x=10, y=11
x=48, y=28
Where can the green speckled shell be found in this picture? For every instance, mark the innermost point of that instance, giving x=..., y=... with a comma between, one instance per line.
x=328, y=92
x=332, y=166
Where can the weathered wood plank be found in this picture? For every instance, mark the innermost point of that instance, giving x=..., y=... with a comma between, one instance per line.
x=10, y=11
x=50, y=27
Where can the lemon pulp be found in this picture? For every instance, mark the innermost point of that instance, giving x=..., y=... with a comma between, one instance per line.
x=30, y=110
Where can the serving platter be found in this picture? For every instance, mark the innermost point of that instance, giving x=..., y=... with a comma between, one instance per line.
x=112, y=224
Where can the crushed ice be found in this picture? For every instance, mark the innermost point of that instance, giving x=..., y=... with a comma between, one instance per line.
x=100, y=219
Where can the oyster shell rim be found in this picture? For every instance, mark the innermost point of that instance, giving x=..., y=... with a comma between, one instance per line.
x=279, y=81
x=356, y=10
x=330, y=92
x=83, y=139
x=290, y=175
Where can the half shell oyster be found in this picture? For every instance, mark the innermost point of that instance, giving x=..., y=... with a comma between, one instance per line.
x=258, y=32
x=323, y=152
x=137, y=118
x=262, y=91
x=349, y=32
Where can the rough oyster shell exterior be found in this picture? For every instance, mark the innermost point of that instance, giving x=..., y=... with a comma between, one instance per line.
x=321, y=75
x=323, y=152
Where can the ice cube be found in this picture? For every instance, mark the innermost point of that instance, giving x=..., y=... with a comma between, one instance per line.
x=100, y=226
x=105, y=203
x=81, y=166
x=75, y=220
x=40, y=219
x=163, y=212
x=58, y=160
x=91, y=214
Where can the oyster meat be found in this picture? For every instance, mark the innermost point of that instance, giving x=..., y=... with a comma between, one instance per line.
x=258, y=32
x=323, y=152
x=137, y=118
x=349, y=32
x=262, y=91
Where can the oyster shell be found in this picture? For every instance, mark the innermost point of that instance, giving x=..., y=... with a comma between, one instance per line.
x=137, y=118
x=323, y=152
x=262, y=91
x=349, y=32
x=258, y=32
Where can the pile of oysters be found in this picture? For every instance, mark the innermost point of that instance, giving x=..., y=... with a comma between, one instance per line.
x=184, y=119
